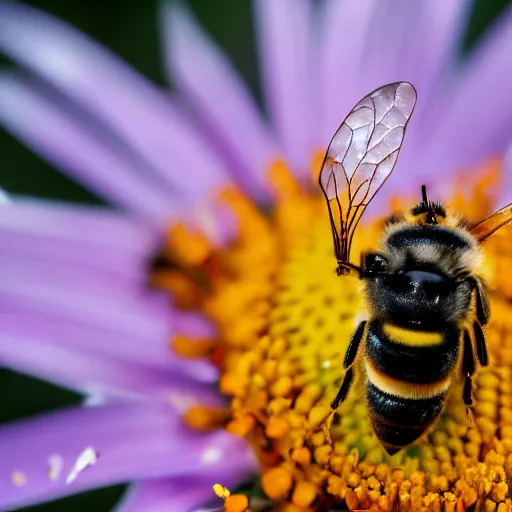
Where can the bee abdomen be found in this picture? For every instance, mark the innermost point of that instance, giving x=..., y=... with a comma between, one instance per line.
x=419, y=362
x=399, y=421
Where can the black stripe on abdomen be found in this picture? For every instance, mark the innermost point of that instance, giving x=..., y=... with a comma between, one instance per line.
x=414, y=364
x=398, y=422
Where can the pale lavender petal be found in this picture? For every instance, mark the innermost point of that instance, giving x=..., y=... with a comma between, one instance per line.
x=83, y=225
x=77, y=305
x=65, y=141
x=393, y=24
x=134, y=441
x=99, y=235
x=168, y=495
x=211, y=85
x=55, y=330
x=472, y=121
x=344, y=29
x=98, y=374
x=94, y=239
x=181, y=494
x=136, y=333
x=284, y=35
x=131, y=106
x=193, y=324
x=438, y=55
x=366, y=44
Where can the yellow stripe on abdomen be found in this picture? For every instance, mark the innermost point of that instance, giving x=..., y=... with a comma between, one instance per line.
x=412, y=338
x=404, y=389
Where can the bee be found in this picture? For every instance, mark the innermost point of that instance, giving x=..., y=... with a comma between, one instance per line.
x=426, y=295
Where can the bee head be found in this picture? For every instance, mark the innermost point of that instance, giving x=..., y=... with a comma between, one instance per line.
x=431, y=211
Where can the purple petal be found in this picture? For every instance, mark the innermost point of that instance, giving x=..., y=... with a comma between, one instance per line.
x=179, y=494
x=286, y=63
x=83, y=225
x=97, y=238
x=135, y=441
x=99, y=374
x=67, y=142
x=472, y=122
x=437, y=54
x=390, y=39
x=73, y=304
x=154, y=353
x=167, y=494
x=211, y=85
x=341, y=50
x=193, y=324
x=139, y=113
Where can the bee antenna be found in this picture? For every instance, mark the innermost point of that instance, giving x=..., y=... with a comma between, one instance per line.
x=424, y=194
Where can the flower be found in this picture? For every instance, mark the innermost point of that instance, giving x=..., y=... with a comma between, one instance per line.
x=219, y=213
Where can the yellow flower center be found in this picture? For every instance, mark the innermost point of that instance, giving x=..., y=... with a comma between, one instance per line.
x=284, y=321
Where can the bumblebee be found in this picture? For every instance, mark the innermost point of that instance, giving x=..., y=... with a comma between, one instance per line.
x=426, y=295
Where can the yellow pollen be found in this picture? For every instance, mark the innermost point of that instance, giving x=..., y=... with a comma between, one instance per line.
x=277, y=482
x=281, y=180
x=221, y=491
x=284, y=321
x=206, y=418
x=191, y=248
x=232, y=502
x=236, y=503
x=187, y=347
x=241, y=424
x=316, y=165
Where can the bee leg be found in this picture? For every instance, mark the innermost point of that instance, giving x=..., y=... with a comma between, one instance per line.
x=481, y=345
x=326, y=427
x=483, y=308
x=468, y=369
x=350, y=357
x=468, y=400
x=344, y=389
x=353, y=346
x=340, y=397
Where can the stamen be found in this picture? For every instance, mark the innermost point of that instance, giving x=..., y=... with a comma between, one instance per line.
x=206, y=418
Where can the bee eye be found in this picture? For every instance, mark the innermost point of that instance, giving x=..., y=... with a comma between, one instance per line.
x=375, y=263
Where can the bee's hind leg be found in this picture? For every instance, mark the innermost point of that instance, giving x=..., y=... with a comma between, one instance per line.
x=350, y=357
x=468, y=370
x=344, y=389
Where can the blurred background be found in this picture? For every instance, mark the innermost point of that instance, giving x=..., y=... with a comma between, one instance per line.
x=131, y=30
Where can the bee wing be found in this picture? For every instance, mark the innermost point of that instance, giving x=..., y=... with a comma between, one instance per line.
x=491, y=224
x=361, y=156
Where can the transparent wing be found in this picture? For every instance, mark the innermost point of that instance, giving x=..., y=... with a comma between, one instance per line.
x=491, y=224
x=361, y=156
